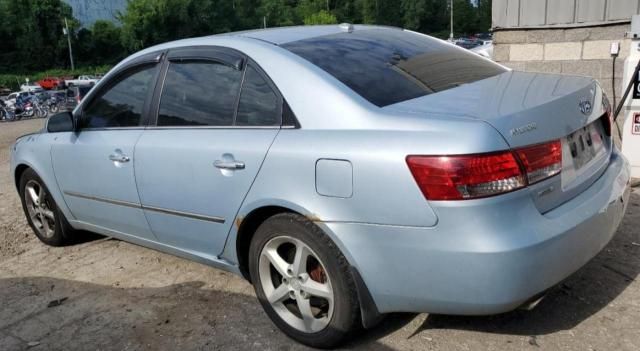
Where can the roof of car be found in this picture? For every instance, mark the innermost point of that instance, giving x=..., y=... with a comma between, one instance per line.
x=283, y=35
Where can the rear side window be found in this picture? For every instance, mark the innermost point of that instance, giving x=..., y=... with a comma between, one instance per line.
x=387, y=66
x=258, y=102
x=122, y=104
x=199, y=94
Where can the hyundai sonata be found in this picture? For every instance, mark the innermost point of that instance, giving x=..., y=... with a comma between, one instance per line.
x=345, y=171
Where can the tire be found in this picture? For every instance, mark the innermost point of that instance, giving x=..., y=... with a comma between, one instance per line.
x=53, y=108
x=47, y=222
x=40, y=112
x=325, y=272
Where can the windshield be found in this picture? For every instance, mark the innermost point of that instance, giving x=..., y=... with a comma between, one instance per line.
x=387, y=66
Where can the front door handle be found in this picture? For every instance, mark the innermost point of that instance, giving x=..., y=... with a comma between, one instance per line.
x=119, y=158
x=230, y=165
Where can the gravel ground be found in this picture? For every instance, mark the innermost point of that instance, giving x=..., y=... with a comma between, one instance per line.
x=105, y=294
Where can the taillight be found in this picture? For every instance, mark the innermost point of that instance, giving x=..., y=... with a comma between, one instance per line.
x=466, y=177
x=541, y=161
x=460, y=177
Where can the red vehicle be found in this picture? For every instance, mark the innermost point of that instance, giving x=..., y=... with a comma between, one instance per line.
x=49, y=83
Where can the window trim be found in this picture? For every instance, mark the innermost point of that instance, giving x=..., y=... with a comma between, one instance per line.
x=272, y=86
x=156, y=113
x=226, y=51
x=151, y=60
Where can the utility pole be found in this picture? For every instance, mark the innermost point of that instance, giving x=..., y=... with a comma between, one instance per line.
x=264, y=21
x=451, y=34
x=68, y=34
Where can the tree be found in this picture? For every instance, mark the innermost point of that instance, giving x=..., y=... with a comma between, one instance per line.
x=107, y=48
x=279, y=12
x=149, y=22
x=321, y=17
x=484, y=15
x=32, y=34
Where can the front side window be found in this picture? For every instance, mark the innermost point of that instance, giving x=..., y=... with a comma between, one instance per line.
x=199, y=94
x=259, y=104
x=122, y=104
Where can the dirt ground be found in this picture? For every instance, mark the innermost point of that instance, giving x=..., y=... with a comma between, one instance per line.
x=105, y=294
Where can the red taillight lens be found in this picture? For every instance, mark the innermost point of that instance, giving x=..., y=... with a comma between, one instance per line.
x=541, y=161
x=462, y=177
x=466, y=177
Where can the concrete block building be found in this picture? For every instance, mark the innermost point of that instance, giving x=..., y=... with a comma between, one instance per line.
x=564, y=36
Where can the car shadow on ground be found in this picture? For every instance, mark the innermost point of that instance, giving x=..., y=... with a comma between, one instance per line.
x=41, y=313
x=582, y=295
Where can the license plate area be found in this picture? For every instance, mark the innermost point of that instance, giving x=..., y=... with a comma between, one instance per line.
x=583, y=151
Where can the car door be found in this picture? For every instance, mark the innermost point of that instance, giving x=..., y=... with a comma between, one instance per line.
x=195, y=166
x=94, y=166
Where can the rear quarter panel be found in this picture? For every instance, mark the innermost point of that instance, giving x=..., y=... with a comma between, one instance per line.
x=384, y=191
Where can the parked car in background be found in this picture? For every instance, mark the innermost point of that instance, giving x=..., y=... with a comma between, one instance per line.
x=26, y=95
x=485, y=50
x=413, y=176
x=51, y=83
x=82, y=81
x=34, y=88
x=75, y=96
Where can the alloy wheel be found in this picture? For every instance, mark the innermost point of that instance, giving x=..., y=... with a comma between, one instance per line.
x=296, y=284
x=39, y=208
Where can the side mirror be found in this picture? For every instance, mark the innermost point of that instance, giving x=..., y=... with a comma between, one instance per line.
x=61, y=122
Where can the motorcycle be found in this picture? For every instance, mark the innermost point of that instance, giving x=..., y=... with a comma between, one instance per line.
x=52, y=105
x=6, y=114
x=40, y=110
x=23, y=110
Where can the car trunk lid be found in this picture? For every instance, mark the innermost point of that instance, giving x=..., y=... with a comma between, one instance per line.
x=533, y=108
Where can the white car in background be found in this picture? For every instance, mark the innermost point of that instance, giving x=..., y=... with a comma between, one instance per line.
x=11, y=98
x=32, y=88
x=485, y=50
x=82, y=81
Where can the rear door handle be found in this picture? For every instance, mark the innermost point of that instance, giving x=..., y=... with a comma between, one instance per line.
x=231, y=165
x=119, y=158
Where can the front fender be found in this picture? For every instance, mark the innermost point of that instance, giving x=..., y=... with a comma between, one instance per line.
x=34, y=151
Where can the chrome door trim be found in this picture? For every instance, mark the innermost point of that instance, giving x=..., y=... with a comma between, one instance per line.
x=211, y=127
x=184, y=214
x=145, y=207
x=102, y=199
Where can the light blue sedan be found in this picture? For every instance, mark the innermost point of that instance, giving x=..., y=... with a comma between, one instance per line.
x=346, y=171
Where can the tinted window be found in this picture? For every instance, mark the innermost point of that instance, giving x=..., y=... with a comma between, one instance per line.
x=387, y=66
x=121, y=105
x=258, y=103
x=199, y=94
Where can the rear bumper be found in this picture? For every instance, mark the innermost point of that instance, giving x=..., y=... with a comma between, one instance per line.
x=485, y=256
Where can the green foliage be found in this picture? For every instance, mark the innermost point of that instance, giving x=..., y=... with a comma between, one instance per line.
x=31, y=32
x=149, y=22
x=321, y=17
x=33, y=39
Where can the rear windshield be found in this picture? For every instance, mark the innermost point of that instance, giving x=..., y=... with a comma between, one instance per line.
x=387, y=66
